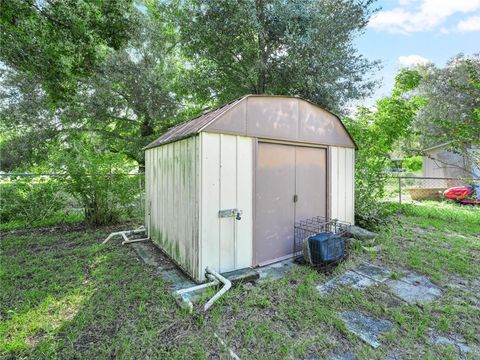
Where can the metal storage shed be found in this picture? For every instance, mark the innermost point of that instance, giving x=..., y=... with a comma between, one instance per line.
x=224, y=189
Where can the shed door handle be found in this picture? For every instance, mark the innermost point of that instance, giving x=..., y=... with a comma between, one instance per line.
x=295, y=198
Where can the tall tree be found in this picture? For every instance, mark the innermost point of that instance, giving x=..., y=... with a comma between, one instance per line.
x=59, y=42
x=451, y=112
x=130, y=99
x=302, y=47
x=28, y=122
x=376, y=132
x=126, y=104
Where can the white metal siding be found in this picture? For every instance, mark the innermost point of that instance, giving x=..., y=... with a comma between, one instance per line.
x=189, y=181
x=172, y=207
x=226, y=183
x=342, y=169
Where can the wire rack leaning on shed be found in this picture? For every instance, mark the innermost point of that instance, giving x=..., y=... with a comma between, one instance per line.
x=320, y=242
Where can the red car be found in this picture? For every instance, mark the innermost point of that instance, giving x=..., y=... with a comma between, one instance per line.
x=462, y=194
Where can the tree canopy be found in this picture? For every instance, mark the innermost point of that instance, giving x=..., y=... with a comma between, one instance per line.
x=85, y=85
x=451, y=112
x=302, y=48
x=128, y=102
x=58, y=43
x=126, y=75
x=377, y=131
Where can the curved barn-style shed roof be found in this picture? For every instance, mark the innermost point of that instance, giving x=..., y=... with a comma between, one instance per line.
x=266, y=116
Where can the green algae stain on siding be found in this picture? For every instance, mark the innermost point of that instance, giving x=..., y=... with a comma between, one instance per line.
x=174, y=225
x=177, y=252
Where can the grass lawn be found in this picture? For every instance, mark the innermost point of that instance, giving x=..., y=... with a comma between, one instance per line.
x=63, y=295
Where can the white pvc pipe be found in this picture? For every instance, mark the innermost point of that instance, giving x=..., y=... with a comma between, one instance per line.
x=184, y=301
x=134, y=241
x=110, y=236
x=226, y=286
x=197, y=287
x=215, y=278
x=124, y=234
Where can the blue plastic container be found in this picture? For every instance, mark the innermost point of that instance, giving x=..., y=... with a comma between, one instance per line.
x=326, y=247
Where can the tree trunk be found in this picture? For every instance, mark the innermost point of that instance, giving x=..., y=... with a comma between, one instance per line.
x=262, y=43
x=146, y=128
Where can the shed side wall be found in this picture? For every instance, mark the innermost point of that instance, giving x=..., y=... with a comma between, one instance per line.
x=226, y=183
x=341, y=179
x=172, y=201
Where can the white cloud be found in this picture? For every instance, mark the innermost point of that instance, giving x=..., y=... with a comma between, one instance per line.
x=406, y=2
x=470, y=24
x=420, y=15
x=412, y=60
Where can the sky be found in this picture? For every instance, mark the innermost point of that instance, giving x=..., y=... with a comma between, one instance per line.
x=409, y=32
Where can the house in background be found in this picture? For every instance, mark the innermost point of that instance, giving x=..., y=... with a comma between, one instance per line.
x=440, y=162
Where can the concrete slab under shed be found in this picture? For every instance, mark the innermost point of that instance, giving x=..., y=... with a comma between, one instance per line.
x=275, y=271
x=168, y=270
x=242, y=275
x=177, y=279
x=153, y=256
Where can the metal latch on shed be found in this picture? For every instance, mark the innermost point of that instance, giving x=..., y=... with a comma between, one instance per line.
x=237, y=214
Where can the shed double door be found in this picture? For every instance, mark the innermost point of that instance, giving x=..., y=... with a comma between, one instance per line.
x=290, y=185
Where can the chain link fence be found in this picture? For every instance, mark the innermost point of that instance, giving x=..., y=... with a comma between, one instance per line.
x=34, y=197
x=31, y=197
x=407, y=189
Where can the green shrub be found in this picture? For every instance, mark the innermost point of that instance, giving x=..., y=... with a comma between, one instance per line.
x=377, y=131
x=369, y=189
x=104, y=196
x=413, y=163
x=97, y=179
x=30, y=199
